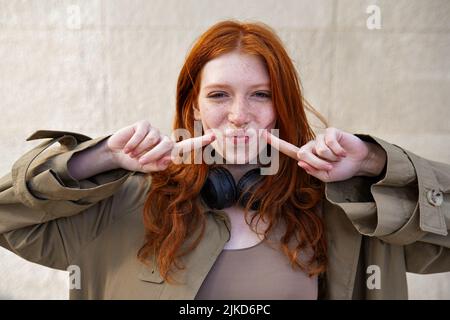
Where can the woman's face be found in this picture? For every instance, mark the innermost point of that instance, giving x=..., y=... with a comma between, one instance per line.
x=235, y=100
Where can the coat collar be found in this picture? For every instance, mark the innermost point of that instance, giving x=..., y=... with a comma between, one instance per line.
x=198, y=262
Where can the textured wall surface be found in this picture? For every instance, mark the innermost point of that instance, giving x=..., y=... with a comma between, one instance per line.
x=95, y=66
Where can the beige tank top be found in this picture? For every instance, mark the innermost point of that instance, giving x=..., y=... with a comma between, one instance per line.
x=257, y=272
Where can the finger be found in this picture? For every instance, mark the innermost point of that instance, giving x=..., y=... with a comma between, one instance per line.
x=323, y=151
x=283, y=146
x=167, y=158
x=151, y=140
x=189, y=144
x=159, y=165
x=306, y=166
x=158, y=151
x=194, y=143
x=312, y=160
x=124, y=135
x=321, y=175
x=140, y=132
x=331, y=140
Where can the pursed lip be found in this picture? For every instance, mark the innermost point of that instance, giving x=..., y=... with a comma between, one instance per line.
x=237, y=136
x=239, y=140
x=231, y=133
x=235, y=133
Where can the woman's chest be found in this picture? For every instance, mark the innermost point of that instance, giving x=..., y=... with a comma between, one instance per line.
x=242, y=234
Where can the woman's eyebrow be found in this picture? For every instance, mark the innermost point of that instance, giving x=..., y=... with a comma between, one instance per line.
x=217, y=86
x=265, y=85
x=227, y=86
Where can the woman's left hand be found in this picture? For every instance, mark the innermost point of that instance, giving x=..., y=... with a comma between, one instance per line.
x=335, y=155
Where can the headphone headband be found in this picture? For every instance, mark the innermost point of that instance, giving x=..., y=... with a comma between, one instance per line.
x=221, y=191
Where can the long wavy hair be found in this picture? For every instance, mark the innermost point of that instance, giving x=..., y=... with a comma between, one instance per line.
x=173, y=211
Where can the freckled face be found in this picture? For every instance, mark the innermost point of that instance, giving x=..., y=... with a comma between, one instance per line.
x=235, y=100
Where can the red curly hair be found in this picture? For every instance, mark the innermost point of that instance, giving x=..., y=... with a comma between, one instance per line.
x=173, y=211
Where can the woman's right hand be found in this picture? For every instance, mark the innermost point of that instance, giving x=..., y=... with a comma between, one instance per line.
x=141, y=147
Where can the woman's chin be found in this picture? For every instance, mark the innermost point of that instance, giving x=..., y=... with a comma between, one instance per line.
x=240, y=157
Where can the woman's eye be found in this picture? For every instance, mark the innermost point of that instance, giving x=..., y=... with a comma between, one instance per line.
x=217, y=95
x=262, y=94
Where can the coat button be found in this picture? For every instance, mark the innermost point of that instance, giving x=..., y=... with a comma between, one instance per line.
x=435, y=197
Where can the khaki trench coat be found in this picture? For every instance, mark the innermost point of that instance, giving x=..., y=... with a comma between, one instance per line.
x=397, y=222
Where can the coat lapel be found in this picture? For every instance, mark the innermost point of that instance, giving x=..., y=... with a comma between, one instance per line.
x=198, y=262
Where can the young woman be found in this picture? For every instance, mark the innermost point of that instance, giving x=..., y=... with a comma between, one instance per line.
x=343, y=216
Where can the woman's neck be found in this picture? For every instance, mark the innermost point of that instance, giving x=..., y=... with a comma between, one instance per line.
x=238, y=170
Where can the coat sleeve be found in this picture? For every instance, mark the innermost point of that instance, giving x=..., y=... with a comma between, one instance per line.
x=46, y=216
x=407, y=205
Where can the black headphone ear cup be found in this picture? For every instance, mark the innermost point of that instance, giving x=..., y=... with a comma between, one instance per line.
x=247, y=185
x=219, y=190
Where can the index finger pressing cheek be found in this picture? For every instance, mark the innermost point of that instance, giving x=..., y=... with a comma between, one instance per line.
x=193, y=143
x=181, y=150
x=283, y=146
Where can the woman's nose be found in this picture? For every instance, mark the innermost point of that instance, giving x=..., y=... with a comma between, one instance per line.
x=239, y=113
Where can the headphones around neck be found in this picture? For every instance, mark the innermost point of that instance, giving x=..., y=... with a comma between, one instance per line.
x=221, y=191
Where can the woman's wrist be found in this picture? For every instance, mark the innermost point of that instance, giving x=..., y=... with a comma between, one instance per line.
x=92, y=161
x=375, y=161
x=108, y=156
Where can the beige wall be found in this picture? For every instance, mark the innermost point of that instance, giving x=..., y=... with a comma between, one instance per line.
x=117, y=61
